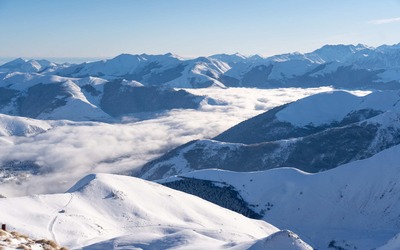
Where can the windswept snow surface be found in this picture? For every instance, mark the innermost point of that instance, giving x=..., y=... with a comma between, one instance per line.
x=354, y=206
x=120, y=212
x=66, y=153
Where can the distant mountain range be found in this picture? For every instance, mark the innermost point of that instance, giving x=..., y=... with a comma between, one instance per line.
x=345, y=66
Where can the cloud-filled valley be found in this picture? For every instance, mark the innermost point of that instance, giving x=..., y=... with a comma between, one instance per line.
x=67, y=152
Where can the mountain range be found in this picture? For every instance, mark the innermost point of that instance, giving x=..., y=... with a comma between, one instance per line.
x=86, y=99
x=322, y=169
x=345, y=66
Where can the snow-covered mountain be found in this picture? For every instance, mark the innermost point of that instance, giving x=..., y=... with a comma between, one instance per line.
x=354, y=206
x=20, y=126
x=119, y=212
x=154, y=70
x=346, y=66
x=81, y=99
x=313, y=134
x=31, y=66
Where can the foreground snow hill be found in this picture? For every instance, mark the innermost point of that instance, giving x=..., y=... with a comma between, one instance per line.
x=313, y=134
x=354, y=206
x=103, y=211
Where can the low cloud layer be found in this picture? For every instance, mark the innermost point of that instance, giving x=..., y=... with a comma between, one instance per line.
x=67, y=153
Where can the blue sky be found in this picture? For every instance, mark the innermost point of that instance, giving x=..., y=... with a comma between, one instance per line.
x=99, y=28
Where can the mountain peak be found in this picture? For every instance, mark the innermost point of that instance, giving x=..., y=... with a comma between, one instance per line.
x=15, y=62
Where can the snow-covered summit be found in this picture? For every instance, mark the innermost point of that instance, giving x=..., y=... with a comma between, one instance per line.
x=27, y=66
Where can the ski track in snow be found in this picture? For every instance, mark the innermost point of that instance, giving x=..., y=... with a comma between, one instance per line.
x=53, y=221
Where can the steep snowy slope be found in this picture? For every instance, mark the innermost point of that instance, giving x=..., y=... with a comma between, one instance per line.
x=313, y=134
x=355, y=206
x=102, y=207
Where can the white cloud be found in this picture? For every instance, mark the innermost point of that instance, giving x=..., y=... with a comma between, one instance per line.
x=385, y=21
x=70, y=151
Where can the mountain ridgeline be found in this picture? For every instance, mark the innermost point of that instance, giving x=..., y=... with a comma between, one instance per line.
x=344, y=66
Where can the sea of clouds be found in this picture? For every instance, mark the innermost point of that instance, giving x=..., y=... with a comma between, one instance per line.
x=68, y=152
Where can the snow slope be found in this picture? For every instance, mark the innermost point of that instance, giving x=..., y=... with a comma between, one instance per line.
x=328, y=107
x=352, y=206
x=103, y=207
x=20, y=126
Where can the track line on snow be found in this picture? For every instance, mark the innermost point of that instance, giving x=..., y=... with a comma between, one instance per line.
x=50, y=227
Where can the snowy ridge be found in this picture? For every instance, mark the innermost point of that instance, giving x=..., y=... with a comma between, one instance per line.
x=350, y=66
x=102, y=207
x=354, y=205
x=312, y=111
x=30, y=66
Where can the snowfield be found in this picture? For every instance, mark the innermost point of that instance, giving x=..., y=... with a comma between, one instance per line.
x=106, y=211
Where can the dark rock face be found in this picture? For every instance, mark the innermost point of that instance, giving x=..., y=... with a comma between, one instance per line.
x=119, y=99
x=42, y=98
x=6, y=95
x=225, y=196
x=165, y=76
x=91, y=90
x=257, y=76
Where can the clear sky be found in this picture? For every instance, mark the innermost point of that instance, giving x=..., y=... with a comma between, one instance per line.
x=100, y=28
